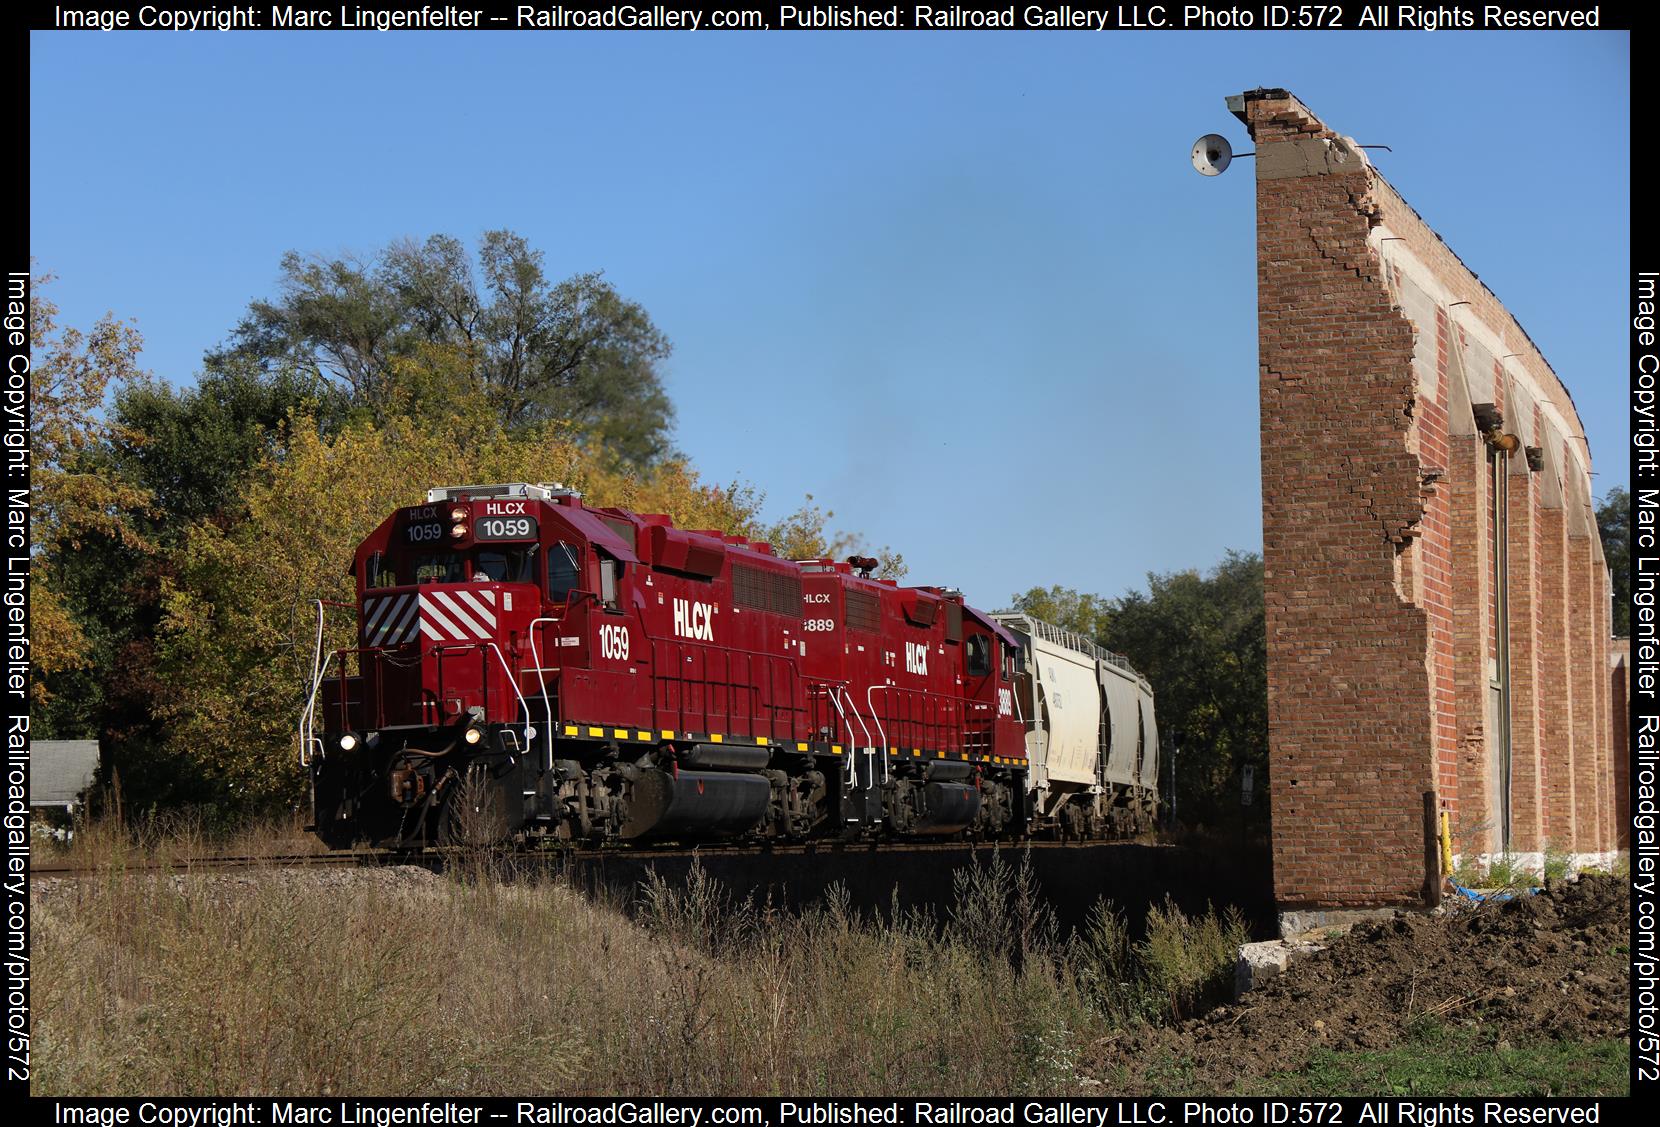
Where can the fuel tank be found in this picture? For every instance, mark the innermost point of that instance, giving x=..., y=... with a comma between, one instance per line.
x=695, y=803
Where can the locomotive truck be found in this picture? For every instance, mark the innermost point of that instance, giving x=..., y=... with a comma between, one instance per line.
x=528, y=666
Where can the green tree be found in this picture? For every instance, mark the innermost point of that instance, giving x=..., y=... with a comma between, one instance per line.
x=1614, y=525
x=1089, y=615
x=189, y=452
x=193, y=448
x=573, y=351
x=1200, y=640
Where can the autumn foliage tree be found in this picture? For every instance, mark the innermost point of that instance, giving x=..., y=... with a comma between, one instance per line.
x=74, y=507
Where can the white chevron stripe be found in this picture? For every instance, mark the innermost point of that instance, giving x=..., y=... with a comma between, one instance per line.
x=395, y=608
x=431, y=632
x=457, y=611
x=431, y=613
x=379, y=606
x=479, y=608
x=402, y=630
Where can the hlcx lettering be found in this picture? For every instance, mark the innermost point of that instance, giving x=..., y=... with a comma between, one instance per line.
x=916, y=658
x=694, y=620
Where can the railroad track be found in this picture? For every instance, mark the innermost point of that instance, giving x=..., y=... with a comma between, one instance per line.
x=216, y=862
x=439, y=859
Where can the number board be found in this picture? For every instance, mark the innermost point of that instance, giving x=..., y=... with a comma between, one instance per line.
x=424, y=531
x=505, y=528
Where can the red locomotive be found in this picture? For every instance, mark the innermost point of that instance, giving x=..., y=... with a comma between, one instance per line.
x=527, y=665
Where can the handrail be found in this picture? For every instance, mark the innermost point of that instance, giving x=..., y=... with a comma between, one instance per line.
x=870, y=699
x=319, y=672
x=530, y=733
x=773, y=662
x=547, y=705
x=832, y=692
x=1061, y=636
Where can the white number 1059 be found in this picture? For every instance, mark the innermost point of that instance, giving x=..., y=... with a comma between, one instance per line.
x=613, y=642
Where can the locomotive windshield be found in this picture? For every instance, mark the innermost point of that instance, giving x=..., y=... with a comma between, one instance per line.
x=509, y=565
x=444, y=567
x=489, y=565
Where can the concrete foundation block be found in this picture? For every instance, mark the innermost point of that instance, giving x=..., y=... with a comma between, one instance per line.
x=1258, y=962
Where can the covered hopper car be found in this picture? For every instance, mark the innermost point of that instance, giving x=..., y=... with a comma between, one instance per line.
x=527, y=666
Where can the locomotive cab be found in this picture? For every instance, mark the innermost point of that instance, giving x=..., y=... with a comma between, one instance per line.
x=460, y=602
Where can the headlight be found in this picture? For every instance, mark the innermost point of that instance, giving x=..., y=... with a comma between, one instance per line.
x=472, y=735
x=458, y=513
x=458, y=531
x=347, y=742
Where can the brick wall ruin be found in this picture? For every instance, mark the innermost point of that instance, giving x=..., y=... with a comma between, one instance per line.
x=1437, y=601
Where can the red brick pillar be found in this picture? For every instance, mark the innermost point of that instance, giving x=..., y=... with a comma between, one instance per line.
x=1527, y=811
x=1437, y=438
x=1619, y=693
x=1601, y=627
x=1583, y=678
x=1475, y=825
x=1556, y=727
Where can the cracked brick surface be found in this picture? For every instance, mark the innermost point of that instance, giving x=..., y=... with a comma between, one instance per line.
x=1377, y=503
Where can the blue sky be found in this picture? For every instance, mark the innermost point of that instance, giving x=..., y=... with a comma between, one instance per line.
x=963, y=288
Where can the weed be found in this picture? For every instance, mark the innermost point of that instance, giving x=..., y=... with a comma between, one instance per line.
x=1559, y=865
x=1190, y=961
x=1506, y=872
x=1503, y=872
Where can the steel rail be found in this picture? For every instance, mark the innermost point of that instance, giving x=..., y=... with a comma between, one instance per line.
x=439, y=857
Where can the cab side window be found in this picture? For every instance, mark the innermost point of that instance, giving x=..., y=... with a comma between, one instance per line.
x=979, y=655
x=376, y=573
x=610, y=571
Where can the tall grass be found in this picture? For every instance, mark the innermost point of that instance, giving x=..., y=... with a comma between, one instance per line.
x=396, y=981
x=119, y=836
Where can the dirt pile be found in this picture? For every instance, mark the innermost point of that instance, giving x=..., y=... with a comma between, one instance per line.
x=1555, y=965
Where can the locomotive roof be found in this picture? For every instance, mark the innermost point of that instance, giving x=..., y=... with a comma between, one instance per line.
x=993, y=625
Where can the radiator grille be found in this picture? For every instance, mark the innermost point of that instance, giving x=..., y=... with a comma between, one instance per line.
x=864, y=612
x=766, y=590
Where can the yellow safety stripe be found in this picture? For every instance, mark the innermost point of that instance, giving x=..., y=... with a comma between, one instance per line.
x=644, y=736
